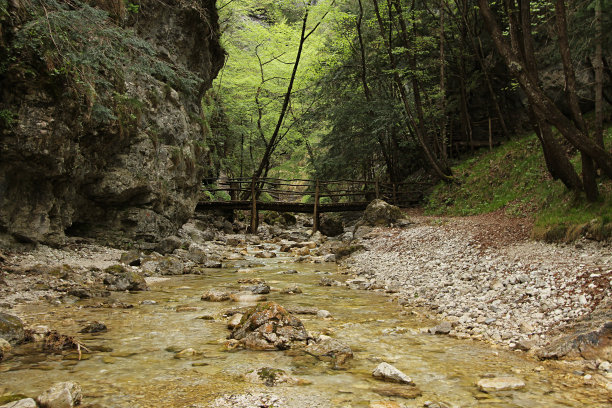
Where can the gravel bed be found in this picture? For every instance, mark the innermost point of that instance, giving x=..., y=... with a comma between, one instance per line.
x=511, y=291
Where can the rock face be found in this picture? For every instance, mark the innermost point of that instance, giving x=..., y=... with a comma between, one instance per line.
x=123, y=160
x=268, y=326
x=61, y=395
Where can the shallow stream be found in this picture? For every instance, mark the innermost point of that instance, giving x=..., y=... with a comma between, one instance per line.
x=138, y=368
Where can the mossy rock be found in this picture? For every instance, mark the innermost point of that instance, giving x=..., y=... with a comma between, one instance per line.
x=276, y=218
x=269, y=375
x=549, y=234
x=121, y=278
x=5, y=399
x=595, y=230
x=61, y=272
x=115, y=269
x=347, y=250
x=11, y=328
x=379, y=213
x=331, y=225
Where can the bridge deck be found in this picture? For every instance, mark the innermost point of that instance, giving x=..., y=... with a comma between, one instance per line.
x=281, y=206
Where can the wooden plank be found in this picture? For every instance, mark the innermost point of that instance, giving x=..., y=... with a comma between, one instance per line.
x=254, y=214
x=305, y=208
x=315, y=211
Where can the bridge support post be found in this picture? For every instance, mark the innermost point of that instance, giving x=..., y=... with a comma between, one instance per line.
x=254, y=213
x=377, y=190
x=315, y=214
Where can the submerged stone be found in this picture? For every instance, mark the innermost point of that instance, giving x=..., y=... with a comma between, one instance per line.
x=387, y=372
x=500, y=384
x=325, y=346
x=61, y=395
x=22, y=403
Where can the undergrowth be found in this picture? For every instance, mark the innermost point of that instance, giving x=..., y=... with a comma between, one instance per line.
x=513, y=178
x=88, y=53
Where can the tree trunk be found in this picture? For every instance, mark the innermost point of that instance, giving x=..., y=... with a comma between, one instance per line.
x=545, y=105
x=556, y=159
x=466, y=122
x=588, y=169
x=281, y=117
x=442, y=87
x=440, y=169
x=598, y=66
x=391, y=171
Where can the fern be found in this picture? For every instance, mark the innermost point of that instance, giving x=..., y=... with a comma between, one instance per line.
x=83, y=46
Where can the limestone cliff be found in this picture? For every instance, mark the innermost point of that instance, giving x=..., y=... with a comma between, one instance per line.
x=101, y=129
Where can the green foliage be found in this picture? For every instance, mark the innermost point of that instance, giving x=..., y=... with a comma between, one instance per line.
x=7, y=118
x=513, y=178
x=261, y=39
x=3, y=9
x=83, y=47
x=131, y=7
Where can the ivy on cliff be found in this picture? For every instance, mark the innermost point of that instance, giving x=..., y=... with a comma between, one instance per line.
x=84, y=48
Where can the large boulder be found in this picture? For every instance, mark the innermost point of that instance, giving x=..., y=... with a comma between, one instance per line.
x=216, y=295
x=169, y=244
x=387, y=372
x=589, y=340
x=279, y=218
x=268, y=326
x=331, y=225
x=500, y=384
x=379, y=213
x=162, y=265
x=11, y=328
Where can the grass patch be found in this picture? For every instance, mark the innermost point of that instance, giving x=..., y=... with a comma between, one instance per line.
x=513, y=178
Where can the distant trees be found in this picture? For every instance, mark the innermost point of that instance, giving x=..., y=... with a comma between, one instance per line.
x=391, y=89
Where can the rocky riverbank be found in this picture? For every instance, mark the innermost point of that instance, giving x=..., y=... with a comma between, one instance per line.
x=480, y=277
x=84, y=269
x=484, y=279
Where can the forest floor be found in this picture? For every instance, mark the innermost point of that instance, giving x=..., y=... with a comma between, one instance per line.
x=486, y=279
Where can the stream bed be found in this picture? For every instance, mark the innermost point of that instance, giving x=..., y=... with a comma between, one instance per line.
x=135, y=365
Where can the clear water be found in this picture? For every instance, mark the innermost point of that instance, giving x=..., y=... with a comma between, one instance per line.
x=140, y=372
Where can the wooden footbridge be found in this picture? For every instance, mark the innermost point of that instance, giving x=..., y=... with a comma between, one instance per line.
x=304, y=196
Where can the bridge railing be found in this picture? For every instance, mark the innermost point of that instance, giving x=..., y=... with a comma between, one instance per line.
x=328, y=191
x=318, y=193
